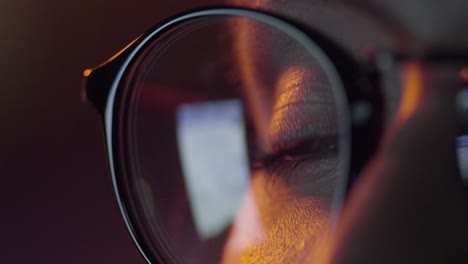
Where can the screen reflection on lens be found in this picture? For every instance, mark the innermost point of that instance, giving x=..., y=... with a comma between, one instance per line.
x=233, y=129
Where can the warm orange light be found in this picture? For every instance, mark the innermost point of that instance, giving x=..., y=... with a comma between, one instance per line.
x=412, y=88
x=290, y=86
x=252, y=85
x=276, y=225
x=291, y=82
x=464, y=74
x=87, y=72
x=122, y=50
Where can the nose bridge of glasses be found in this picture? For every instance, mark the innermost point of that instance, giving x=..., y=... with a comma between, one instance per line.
x=98, y=81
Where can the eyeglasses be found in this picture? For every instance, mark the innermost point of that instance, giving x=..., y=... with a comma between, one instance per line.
x=233, y=135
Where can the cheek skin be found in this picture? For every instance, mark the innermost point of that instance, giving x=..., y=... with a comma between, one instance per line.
x=289, y=227
x=284, y=218
x=278, y=222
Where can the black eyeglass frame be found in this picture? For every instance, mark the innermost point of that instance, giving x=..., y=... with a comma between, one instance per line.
x=104, y=89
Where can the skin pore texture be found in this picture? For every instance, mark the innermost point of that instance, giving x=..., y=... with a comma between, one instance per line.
x=290, y=204
x=409, y=205
x=285, y=214
x=290, y=226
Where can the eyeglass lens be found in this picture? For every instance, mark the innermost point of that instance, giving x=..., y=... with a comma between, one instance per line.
x=234, y=141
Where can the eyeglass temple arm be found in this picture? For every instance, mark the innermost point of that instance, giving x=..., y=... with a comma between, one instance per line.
x=98, y=81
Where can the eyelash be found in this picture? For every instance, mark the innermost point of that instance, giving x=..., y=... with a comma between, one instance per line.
x=286, y=162
x=279, y=163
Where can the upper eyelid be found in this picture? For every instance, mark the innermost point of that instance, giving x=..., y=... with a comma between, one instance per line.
x=298, y=122
x=307, y=174
x=303, y=150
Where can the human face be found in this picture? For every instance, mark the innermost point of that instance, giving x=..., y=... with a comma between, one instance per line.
x=286, y=220
x=407, y=182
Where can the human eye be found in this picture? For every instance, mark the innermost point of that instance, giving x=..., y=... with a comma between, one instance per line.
x=294, y=167
x=303, y=138
x=311, y=163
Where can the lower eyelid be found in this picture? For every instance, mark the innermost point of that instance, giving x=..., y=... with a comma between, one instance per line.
x=305, y=176
x=302, y=169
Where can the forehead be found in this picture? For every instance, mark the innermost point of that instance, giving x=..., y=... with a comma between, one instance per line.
x=395, y=24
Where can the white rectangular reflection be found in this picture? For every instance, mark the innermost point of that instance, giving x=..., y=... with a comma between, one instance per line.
x=213, y=153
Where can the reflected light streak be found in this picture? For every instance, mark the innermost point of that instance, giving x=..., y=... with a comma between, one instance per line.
x=247, y=231
x=88, y=72
x=412, y=89
x=274, y=224
x=257, y=99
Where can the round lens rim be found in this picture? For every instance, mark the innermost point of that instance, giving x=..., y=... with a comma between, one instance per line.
x=114, y=114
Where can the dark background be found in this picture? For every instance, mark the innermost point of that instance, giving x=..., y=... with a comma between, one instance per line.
x=56, y=195
x=56, y=198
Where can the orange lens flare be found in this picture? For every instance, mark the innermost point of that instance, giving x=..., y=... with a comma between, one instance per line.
x=412, y=89
x=87, y=72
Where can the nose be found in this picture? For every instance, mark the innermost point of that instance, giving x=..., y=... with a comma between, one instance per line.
x=409, y=204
